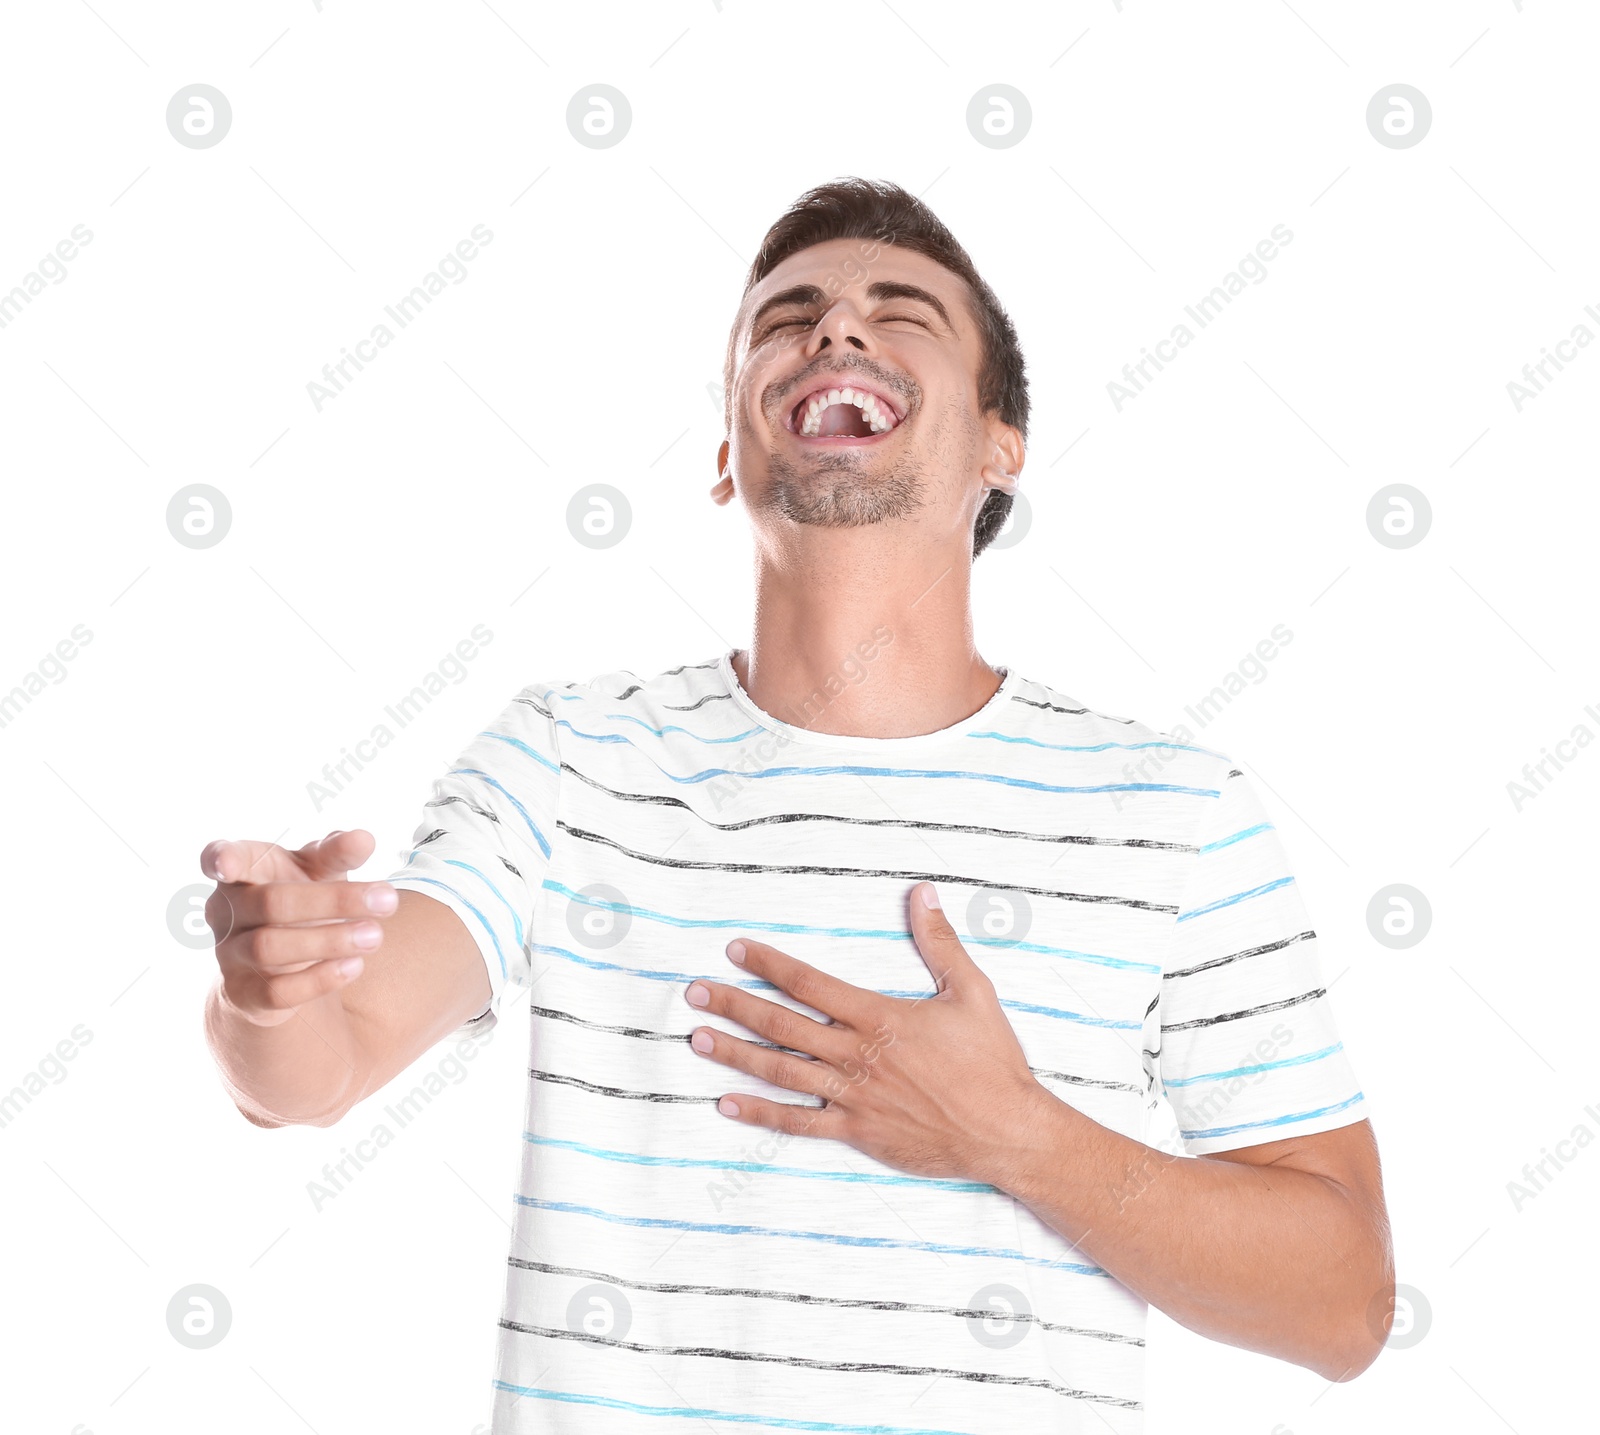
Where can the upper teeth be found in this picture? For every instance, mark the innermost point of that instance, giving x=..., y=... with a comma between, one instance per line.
x=877, y=415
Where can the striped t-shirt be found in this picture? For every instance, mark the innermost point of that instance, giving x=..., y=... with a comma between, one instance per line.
x=673, y=1269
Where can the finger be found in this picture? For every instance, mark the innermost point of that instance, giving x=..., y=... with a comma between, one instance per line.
x=824, y=1121
x=247, y=861
x=781, y=1025
x=940, y=947
x=279, y=949
x=235, y=906
x=261, y=992
x=793, y=1073
x=337, y=853
x=816, y=989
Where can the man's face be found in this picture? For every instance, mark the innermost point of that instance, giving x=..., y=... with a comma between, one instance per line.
x=891, y=329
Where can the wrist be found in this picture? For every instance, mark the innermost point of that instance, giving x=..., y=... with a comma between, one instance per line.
x=1032, y=1134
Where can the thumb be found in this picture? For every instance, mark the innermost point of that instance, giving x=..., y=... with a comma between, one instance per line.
x=950, y=963
x=336, y=854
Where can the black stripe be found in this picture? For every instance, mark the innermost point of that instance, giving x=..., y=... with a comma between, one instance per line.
x=836, y=1302
x=690, y=667
x=1073, y=712
x=471, y=807
x=657, y=799
x=1087, y=1081
x=690, y=707
x=644, y=1034
x=688, y=864
x=1239, y=956
x=847, y=1367
x=660, y=1097
x=636, y=1031
x=1249, y=1011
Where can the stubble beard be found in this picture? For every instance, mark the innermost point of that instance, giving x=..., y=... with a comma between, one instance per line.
x=835, y=490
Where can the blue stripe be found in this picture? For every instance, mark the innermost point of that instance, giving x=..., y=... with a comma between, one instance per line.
x=687, y=1412
x=516, y=920
x=1237, y=837
x=521, y=746
x=888, y=1243
x=860, y=770
x=1276, y=1120
x=538, y=836
x=487, y=925
x=1258, y=1066
x=1095, y=746
x=756, y=984
x=892, y=934
x=872, y=1178
x=1222, y=902
x=662, y=731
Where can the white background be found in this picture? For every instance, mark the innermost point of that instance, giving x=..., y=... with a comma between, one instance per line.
x=369, y=538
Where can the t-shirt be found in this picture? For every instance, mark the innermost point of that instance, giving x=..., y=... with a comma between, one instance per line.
x=671, y=1268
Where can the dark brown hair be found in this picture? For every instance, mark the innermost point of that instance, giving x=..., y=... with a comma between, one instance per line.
x=876, y=210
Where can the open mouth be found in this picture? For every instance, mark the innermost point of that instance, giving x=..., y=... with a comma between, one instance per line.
x=845, y=411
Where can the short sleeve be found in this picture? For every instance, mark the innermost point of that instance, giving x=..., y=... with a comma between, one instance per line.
x=483, y=845
x=1249, y=1051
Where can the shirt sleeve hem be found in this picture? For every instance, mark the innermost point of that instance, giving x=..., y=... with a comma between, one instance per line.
x=1263, y=1135
x=481, y=939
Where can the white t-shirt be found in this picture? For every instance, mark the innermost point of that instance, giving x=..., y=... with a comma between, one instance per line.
x=603, y=842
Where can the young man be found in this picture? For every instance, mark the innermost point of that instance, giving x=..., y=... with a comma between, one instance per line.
x=855, y=962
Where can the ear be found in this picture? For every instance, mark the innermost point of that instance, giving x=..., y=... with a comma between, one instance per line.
x=1003, y=469
x=722, y=490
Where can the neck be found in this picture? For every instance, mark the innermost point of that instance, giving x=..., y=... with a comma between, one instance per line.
x=860, y=641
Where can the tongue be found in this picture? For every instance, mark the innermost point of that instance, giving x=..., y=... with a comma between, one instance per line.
x=844, y=421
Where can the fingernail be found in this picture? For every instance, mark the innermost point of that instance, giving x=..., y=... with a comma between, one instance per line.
x=701, y=1042
x=736, y=952
x=216, y=862
x=336, y=833
x=698, y=994
x=728, y=1106
x=351, y=967
x=368, y=934
x=930, y=895
x=382, y=899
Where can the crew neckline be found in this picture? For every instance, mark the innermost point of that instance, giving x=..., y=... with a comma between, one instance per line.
x=791, y=733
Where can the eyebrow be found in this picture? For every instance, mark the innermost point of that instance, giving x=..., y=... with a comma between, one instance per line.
x=805, y=294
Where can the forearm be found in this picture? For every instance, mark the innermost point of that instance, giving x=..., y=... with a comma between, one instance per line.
x=1277, y=1260
x=299, y=1071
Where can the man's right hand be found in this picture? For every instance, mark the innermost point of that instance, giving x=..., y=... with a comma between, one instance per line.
x=289, y=927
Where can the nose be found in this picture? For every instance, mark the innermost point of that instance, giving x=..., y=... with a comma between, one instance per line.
x=841, y=324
